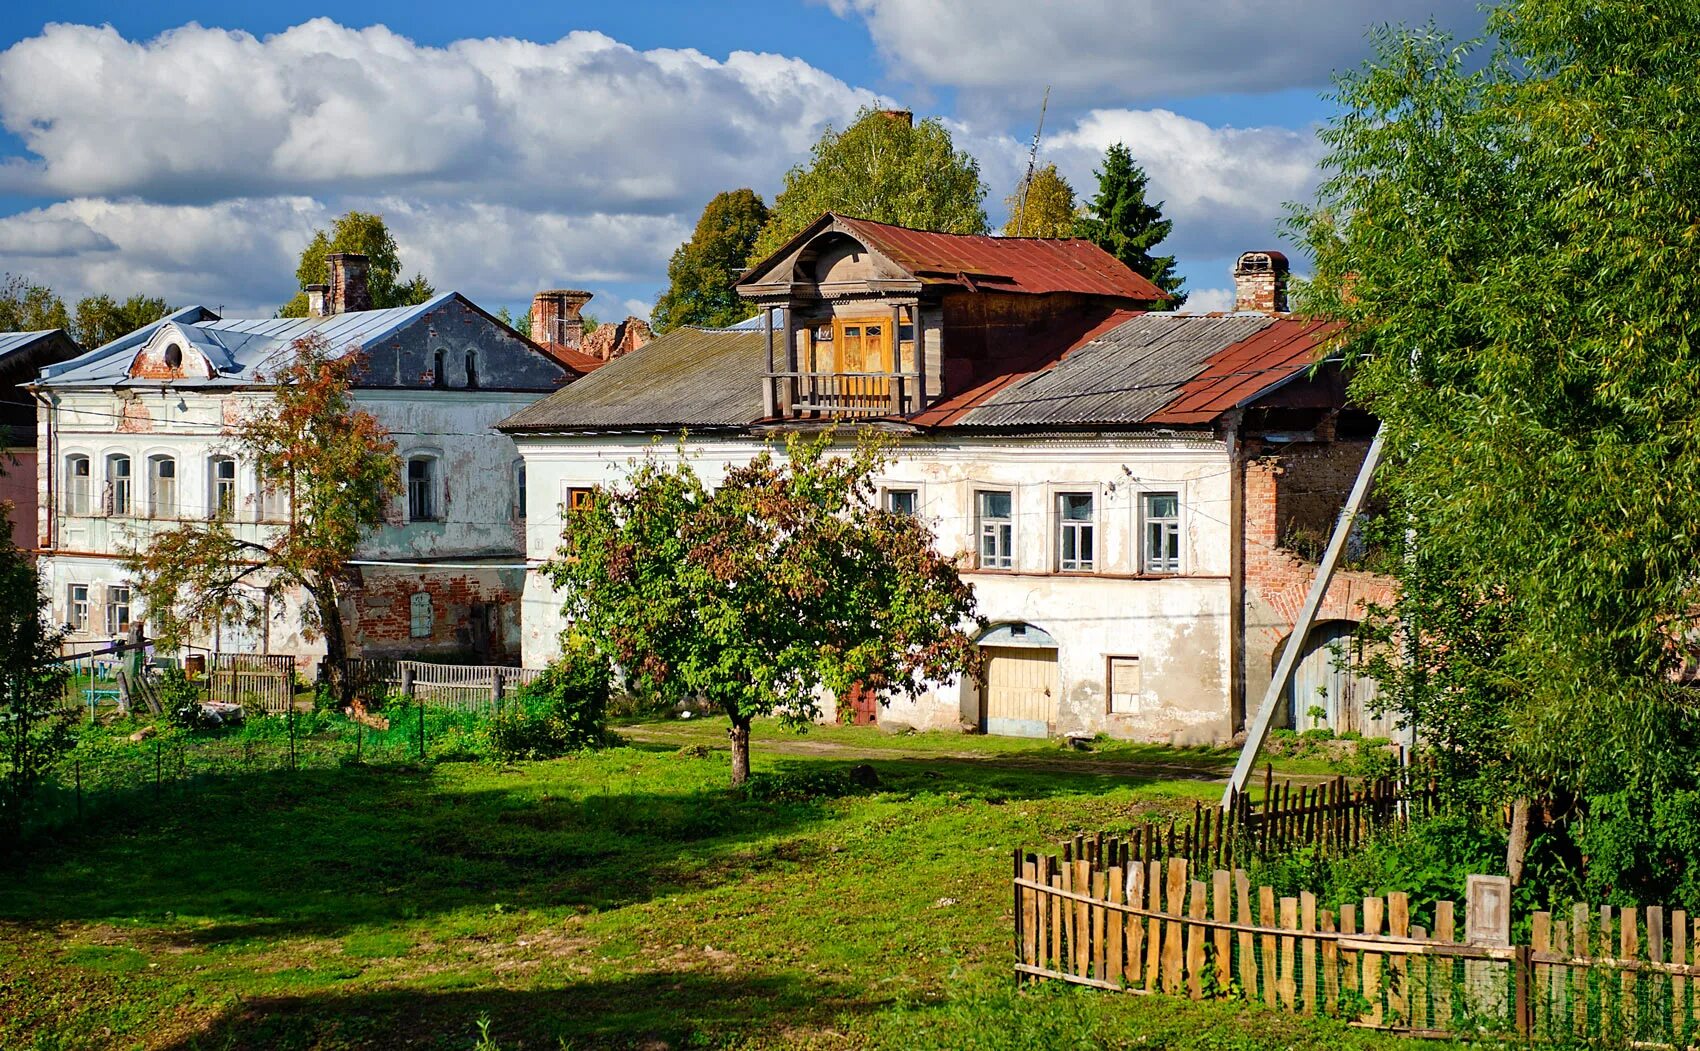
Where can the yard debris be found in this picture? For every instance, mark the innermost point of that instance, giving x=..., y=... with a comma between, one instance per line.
x=864, y=776
x=143, y=734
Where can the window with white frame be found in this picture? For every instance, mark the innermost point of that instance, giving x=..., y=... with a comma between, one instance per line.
x=1124, y=685
x=422, y=489
x=902, y=501
x=78, y=483
x=221, y=487
x=77, y=608
x=273, y=498
x=995, y=519
x=1076, y=546
x=117, y=610
x=162, y=487
x=118, y=485
x=1161, y=513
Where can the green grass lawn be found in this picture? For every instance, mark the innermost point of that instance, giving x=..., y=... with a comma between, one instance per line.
x=620, y=898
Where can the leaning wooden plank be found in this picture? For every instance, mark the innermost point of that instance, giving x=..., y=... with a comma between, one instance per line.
x=1248, y=955
x=1042, y=925
x=1307, y=950
x=1558, y=1013
x=1579, y=982
x=1330, y=967
x=1374, y=910
x=1443, y=931
x=1540, y=940
x=1399, y=926
x=1174, y=952
x=1223, y=940
x=1418, y=967
x=1100, y=925
x=1266, y=920
x=1195, y=941
x=1029, y=911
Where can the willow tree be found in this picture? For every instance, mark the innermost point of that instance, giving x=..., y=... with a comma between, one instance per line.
x=1508, y=227
x=339, y=468
x=785, y=580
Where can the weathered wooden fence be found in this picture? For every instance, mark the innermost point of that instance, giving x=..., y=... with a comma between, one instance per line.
x=1152, y=927
x=252, y=679
x=463, y=687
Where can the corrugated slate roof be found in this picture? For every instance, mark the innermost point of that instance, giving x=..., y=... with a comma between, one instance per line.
x=686, y=378
x=237, y=346
x=1031, y=265
x=1247, y=369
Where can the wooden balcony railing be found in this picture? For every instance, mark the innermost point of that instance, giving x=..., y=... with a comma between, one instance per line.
x=829, y=394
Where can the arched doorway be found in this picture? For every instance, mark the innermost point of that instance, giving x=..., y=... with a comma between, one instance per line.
x=1329, y=688
x=1018, y=688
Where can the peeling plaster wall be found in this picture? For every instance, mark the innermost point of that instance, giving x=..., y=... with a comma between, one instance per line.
x=1176, y=625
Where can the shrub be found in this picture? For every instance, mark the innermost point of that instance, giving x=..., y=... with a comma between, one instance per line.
x=180, y=698
x=560, y=711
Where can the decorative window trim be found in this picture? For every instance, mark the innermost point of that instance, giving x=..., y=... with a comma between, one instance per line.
x=1004, y=561
x=220, y=504
x=1174, y=565
x=1088, y=531
x=437, y=509
x=72, y=505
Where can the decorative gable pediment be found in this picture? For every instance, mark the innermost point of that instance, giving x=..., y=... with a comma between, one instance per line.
x=828, y=259
x=171, y=354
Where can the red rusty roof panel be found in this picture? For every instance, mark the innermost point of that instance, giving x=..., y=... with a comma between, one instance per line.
x=1030, y=265
x=1240, y=372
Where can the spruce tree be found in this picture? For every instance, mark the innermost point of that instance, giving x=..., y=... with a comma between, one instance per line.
x=1123, y=223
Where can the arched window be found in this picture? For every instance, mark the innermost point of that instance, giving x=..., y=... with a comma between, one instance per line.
x=78, y=479
x=471, y=369
x=174, y=356
x=162, y=487
x=439, y=369
x=422, y=482
x=221, y=487
x=118, y=482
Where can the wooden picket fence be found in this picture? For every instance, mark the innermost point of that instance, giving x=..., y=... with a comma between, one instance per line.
x=1152, y=928
x=253, y=679
x=463, y=687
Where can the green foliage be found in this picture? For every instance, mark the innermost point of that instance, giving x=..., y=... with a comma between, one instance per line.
x=1642, y=848
x=785, y=580
x=885, y=168
x=1042, y=207
x=35, y=725
x=102, y=319
x=701, y=272
x=366, y=234
x=180, y=698
x=1507, y=232
x=28, y=307
x=1123, y=223
x=561, y=711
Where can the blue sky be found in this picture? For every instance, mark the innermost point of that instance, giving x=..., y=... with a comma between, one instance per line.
x=188, y=148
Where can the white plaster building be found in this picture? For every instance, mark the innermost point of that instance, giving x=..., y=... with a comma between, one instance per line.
x=1090, y=461
x=135, y=437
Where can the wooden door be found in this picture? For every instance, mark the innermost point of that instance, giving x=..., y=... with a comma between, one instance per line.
x=862, y=346
x=1329, y=676
x=863, y=706
x=1019, y=695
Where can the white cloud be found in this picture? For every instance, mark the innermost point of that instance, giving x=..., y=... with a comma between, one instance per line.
x=583, y=124
x=1122, y=51
x=1208, y=300
x=41, y=235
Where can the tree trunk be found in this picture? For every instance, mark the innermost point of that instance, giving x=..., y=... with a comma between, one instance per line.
x=740, y=735
x=1526, y=816
x=336, y=643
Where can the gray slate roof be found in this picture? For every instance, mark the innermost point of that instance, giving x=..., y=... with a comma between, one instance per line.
x=686, y=378
x=239, y=347
x=1123, y=376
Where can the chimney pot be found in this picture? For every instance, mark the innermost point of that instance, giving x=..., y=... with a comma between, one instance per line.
x=348, y=289
x=318, y=300
x=555, y=317
x=1260, y=282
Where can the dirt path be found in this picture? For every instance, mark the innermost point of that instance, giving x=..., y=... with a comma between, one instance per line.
x=1076, y=763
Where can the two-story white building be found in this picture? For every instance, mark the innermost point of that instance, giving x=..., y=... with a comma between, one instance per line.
x=1111, y=477
x=136, y=436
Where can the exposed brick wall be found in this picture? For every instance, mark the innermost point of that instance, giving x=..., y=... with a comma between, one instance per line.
x=610, y=341
x=134, y=418
x=473, y=612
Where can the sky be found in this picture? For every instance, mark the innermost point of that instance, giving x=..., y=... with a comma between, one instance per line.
x=188, y=149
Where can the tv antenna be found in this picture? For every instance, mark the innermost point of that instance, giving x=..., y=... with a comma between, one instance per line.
x=1032, y=164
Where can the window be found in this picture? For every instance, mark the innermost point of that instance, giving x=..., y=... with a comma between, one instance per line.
x=422, y=489
x=174, y=357
x=1074, y=532
x=77, y=482
x=471, y=369
x=1162, y=532
x=1124, y=685
x=902, y=501
x=420, y=615
x=118, y=485
x=579, y=499
x=439, y=369
x=162, y=487
x=221, y=487
x=997, y=530
x=117, y=610
x=77, y=608
x=274, y=499
x=519, y=485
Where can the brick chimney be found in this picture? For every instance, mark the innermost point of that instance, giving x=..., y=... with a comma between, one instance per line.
x=900, y=116
x=318, y=297
x=555, y=317
x=1260, y=282
x=348, y=289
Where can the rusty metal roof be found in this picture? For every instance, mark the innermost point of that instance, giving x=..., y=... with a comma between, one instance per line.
x=1276, y=354
x=1031, y=265
x=686, y=378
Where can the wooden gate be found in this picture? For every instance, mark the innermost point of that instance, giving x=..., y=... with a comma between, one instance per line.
x=251, y=679
x=1020, y=691
x=1329, y=676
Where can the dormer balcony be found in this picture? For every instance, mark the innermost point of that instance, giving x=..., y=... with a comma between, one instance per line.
x=859, y=364
x=847, y=394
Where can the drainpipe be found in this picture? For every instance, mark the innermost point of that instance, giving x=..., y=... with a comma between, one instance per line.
x=1236, y=573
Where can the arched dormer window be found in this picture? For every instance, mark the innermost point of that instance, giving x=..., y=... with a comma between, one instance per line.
x=174, y=357
x=471, y=370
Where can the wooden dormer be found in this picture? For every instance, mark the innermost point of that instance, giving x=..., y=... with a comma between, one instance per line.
x=865, y=319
